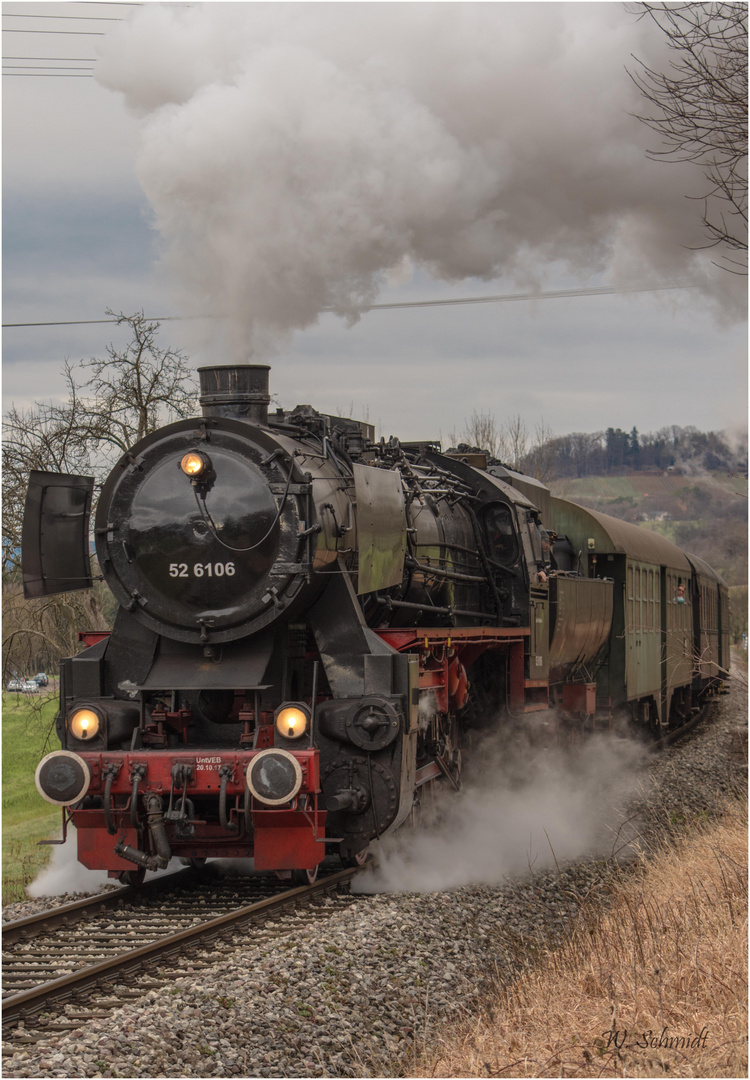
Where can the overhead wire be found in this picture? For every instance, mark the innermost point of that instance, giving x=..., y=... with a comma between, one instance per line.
x=67, y=59
x=9, y=68
x=88, y=33
x=80, y=18
x=53, y=67
x=559, y=294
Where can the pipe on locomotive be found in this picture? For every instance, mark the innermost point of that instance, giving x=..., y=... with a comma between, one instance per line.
x=235, y=392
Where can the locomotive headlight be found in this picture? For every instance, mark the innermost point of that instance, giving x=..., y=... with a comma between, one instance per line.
x=292, y=720
x=84, y=724
x=193, y=464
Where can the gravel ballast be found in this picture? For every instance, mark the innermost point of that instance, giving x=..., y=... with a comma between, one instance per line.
x=355, y=994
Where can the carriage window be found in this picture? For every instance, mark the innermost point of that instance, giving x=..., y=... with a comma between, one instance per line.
x=638, y=597
x=498, y=528
x=654, y=599
x=654, y=584
x=631, y=604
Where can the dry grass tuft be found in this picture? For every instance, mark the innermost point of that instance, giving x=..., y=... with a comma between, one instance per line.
x=654, y=986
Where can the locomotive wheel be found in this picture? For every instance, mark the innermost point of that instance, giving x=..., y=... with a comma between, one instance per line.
x=305, y=877
x=354, y=860
x=197, y=864
x=132, y=877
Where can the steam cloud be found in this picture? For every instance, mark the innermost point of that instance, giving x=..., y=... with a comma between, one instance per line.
x=298, y=156
x=64, y=874
x=524, y=808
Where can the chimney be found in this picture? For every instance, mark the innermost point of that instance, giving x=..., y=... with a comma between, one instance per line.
x=236, y=391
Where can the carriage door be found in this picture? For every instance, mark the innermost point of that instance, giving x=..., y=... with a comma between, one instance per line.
x=642, y=621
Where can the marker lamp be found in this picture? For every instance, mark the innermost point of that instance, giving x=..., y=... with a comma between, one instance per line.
x=62, y=778
x=292, y=721
x=274, y=777
x=84, y=724
x=193, y=464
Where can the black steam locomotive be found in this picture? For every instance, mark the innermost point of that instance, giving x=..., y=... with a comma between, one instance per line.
x=311, y=623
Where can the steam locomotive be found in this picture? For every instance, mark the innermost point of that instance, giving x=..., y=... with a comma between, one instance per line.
x=312, y=624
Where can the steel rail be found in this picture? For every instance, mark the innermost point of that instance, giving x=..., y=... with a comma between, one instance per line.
x=28, y=1002
x=66, y=914
x=678, y=733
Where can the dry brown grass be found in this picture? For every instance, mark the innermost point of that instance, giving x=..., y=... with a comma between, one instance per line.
x=666, y=961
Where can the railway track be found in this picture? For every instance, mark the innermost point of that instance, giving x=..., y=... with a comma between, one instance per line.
x=69, y=964
x=697, y=716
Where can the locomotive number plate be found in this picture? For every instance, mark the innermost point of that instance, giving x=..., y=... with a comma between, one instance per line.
x=217, y=569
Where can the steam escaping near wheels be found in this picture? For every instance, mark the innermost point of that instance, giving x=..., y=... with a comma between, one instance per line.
x=64, y=874
x=525, y=808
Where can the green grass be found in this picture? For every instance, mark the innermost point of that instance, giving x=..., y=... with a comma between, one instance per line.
x=606, y=488
x=27, y=818
x=664, y=528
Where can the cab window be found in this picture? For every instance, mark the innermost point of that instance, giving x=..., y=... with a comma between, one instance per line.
x=500, y=535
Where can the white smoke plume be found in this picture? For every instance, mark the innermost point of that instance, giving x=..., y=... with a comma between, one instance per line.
x=524, y=808
x=64, y=874
x=298, y=156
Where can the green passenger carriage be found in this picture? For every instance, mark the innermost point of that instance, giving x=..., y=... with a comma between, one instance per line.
x=666, y=631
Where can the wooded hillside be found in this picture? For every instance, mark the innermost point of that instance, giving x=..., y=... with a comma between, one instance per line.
x=614, y=452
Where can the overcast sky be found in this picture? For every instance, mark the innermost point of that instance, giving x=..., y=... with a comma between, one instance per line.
x=264, y=162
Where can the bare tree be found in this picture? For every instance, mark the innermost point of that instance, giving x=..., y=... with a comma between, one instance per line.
x=700, y=110
x=37, y=633
x=110, y=405
x=540, y=459
x=53, y=437
x=137, y=388
x=506, y=442
x=514, y=441
x=481, y=430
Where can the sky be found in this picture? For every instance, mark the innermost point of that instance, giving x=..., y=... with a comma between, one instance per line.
x=258, y=175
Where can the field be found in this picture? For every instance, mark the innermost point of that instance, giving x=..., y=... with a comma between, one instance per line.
x=659, y=488
x=27, y=818
x=653, y=985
